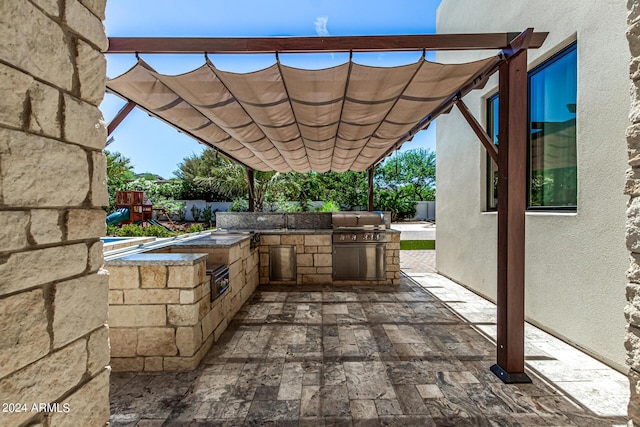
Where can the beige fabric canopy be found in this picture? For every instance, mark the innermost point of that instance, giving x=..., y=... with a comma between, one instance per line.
x=288, y=119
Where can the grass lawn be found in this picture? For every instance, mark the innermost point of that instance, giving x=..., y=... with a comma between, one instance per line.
x=409, y=245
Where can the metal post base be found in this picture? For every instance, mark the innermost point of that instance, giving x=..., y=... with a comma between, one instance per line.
x=510, y=377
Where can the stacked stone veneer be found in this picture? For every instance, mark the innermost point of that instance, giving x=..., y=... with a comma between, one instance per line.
x=632, y=188
x=161, y=317
x=242, y=261
x=314, y=258
x=53, y=296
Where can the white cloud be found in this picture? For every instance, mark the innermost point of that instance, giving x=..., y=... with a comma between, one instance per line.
x=321, y=25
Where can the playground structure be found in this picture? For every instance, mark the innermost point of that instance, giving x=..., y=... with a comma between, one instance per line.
x=134, y=207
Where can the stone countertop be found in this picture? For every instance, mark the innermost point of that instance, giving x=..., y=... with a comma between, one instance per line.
x=323, y=231
x=293, y=231
x=156, y=259
x=213, y=241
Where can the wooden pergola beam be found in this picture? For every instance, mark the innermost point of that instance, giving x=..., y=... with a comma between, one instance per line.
x=522, y=41
x=431, y=42
x=478, y=130
x=122, y=114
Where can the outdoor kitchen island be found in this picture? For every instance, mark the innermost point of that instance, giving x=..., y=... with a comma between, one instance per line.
x=168, y=306
x=345, y=248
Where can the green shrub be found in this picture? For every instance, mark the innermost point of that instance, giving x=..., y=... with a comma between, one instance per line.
x=400, y=205
x=195, y=212
x=182, y=212
x=112, y=230
x=286, y=206
x=330, y=206
x=195, y=228
x=157, y=231
x=239, y=205
x=131, y=230
x=207, y=215
x=171, y=207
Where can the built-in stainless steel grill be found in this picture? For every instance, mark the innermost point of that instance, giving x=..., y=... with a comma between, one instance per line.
x=358, y=246
x=219, y=274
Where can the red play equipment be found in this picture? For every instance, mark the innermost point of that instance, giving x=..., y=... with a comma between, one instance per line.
x=134, y=207
x=139, y=207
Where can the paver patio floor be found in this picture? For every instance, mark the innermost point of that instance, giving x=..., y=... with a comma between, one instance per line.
x=328, y=355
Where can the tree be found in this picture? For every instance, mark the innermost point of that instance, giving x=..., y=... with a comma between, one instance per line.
x=219, y=175
x=297, y=187
x=232, y=181
x=193, y=169
x=396, y=190
x=119, y=168
x=119, y=173
x=347, y=189
x=199, y=165
x=411, y=173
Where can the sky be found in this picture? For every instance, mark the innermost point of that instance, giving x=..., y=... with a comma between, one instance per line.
x=157, y=148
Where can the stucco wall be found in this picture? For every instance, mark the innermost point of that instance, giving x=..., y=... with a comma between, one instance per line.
x=632, y=188
x=575, y=263
x=53, y=292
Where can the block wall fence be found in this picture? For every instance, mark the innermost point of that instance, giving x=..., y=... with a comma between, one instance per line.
x=53, y=293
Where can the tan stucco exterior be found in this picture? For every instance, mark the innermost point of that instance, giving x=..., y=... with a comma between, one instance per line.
x=575, y=262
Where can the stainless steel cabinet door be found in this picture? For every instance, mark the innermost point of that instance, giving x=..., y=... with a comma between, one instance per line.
x=359, y=262
x=282, y=263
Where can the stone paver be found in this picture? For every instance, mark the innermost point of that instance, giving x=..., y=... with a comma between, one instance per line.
x=364, y=356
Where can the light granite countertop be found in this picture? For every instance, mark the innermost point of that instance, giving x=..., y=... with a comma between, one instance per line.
x=214, y=240
x=156, y=259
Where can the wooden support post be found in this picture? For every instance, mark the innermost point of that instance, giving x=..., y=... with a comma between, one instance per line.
x=512, y=199
x=122, y=114
x=252, y=197
x=370, y=190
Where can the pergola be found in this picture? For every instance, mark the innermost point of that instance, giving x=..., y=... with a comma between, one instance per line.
x=351, y=117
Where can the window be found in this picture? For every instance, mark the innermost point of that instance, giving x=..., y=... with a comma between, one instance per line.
x=492, y=167
x=553, y=177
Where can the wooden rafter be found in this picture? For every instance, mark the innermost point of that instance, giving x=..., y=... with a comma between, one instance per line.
x=429, y=42
x=478, y=130
x=122, y=114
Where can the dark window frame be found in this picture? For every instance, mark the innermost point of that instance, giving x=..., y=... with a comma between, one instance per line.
x=489, y=126
x=493, y=133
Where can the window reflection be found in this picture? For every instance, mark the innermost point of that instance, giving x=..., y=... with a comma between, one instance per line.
x=553, y=171
x=552, y=129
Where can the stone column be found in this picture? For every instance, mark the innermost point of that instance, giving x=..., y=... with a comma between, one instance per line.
x=632, y=188
x=54, y=347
